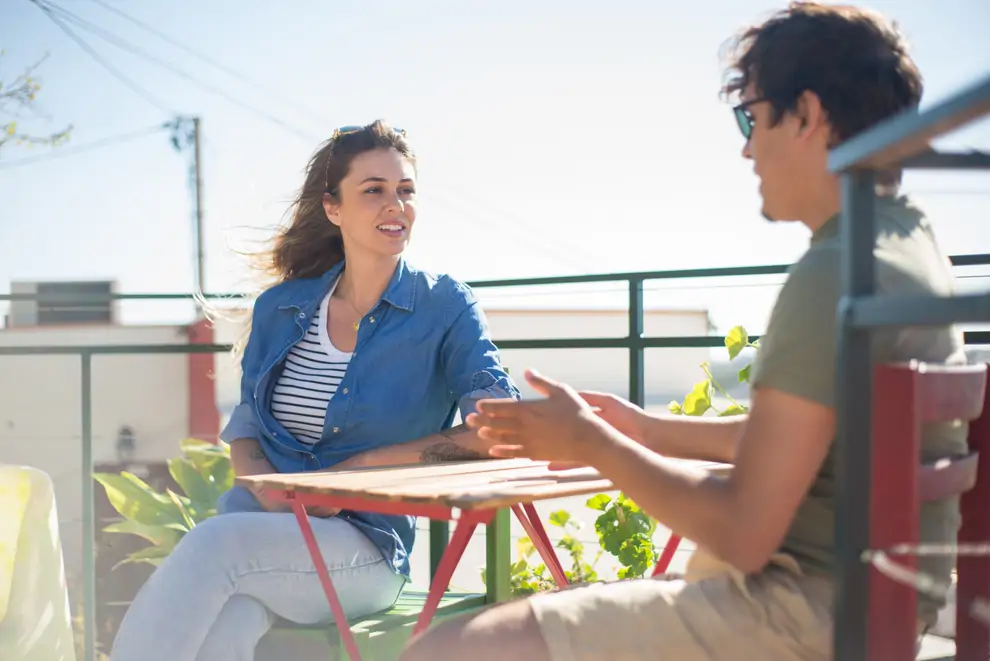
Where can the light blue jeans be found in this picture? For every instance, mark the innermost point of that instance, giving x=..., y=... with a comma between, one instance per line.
x=220, y=589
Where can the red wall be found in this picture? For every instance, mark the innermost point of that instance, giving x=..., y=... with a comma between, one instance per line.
x=204, y=419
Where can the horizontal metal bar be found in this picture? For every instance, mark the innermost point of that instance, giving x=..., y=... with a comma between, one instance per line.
x=673, y=342
x=114, y=349
x=725, y=272
x=678, y=342
x=978, y=259
x=875, y=312
x=975, y=259
x=933, y=160
x=909, y=133
x=62, y=298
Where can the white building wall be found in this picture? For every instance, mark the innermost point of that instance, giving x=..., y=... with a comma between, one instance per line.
x=40, y=407
x=668, y=371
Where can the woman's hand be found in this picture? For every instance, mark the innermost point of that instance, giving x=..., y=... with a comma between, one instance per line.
x=625, y=416
x=269, y=504
x=560, y=428
x=321, y=512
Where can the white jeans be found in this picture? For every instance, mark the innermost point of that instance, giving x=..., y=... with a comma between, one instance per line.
x=219, y=591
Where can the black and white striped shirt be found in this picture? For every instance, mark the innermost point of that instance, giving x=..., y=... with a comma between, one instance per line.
x=313, y=370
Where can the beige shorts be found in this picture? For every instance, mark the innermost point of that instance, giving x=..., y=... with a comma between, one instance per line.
x=716, y=614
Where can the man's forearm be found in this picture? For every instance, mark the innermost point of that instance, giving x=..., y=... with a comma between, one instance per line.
x=248, y=458
x=685, y=437
x=696, y=504
x=458, y=443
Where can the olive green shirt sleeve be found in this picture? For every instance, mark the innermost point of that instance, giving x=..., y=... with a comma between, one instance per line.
x=797, y=353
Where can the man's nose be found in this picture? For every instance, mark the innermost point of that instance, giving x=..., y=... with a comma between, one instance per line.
x=746, y=152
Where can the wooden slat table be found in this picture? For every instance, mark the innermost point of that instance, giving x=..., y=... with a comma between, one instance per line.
x=469, y=493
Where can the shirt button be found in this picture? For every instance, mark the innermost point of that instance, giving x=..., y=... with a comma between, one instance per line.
x=336, y=430
x=345, y=391
x=372, y=320
x=301, y=315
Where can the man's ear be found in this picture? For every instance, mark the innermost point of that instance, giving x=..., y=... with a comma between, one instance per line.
x=811, y=115
x=331, y=208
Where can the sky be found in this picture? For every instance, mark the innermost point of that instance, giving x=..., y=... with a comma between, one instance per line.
x=553, y=138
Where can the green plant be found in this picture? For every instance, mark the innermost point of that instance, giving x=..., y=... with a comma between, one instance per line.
x=626, y=532
x=525, y=579
x=699, y=400
x=203, y=472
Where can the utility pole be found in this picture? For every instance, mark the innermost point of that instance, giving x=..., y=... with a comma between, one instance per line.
x=198, y=184
x=186, y=134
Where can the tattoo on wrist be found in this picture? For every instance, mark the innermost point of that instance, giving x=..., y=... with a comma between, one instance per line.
x=444, y=451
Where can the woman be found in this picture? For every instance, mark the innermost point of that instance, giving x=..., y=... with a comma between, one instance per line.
x=354, y=359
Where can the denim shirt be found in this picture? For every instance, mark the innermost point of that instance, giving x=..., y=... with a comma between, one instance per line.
x=422, y=353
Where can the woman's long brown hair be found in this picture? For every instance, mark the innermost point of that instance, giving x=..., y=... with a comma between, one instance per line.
x=309, y=245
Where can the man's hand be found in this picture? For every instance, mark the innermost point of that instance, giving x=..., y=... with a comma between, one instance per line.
x=562, y=427
x=625, y=416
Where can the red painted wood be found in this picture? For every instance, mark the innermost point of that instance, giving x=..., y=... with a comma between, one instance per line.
x=950, y=392
x=204, y=418
x=894, y=501
x=972, y=635
x=904, y=397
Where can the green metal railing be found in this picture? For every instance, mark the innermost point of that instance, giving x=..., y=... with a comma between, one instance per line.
x=634, y=342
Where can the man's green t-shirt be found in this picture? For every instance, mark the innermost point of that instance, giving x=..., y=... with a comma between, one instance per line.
x=798, y=352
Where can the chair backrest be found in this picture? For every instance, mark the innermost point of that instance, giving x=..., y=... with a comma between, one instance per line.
x=36, y=625
x=904, y=398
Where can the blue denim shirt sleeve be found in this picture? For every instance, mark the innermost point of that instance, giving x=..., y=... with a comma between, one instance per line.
x=470, y=359
x=243, y=423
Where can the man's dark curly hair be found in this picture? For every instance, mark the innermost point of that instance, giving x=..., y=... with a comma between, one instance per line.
x=852, y=59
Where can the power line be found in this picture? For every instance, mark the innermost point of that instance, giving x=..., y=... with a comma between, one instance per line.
x=134, y=87
x=89, y=146
x=208, y=60
x=134, y=50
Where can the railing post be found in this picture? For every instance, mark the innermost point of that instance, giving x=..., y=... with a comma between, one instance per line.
x=637, y=354
x=854, y=391
x=88, y=517
x=439, y=538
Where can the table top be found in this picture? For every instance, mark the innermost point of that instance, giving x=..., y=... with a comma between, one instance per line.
x=464, y=485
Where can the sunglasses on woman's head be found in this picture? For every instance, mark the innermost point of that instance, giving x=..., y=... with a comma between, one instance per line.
x=345, y=130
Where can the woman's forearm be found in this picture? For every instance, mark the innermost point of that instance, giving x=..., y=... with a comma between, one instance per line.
x=685, y=437
x=248, y=458
x=458, y=443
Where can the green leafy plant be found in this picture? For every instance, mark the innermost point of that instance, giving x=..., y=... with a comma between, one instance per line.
x=699, y=400
x=626, y=532
x=203, y=472
x=525, y=578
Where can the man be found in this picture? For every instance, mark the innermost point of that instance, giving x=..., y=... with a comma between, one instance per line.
x=760, y=585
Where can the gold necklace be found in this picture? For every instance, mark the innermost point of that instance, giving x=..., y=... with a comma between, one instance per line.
x=357, y=323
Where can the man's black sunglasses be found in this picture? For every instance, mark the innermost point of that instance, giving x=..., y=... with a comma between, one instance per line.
x=744, y=118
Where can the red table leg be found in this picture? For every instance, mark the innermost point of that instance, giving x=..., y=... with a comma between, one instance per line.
x=321, y=570
x=668, y=554
x=468, y=521
x=538, y=535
